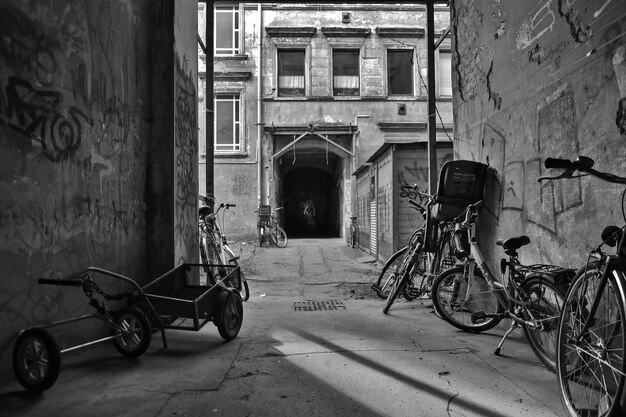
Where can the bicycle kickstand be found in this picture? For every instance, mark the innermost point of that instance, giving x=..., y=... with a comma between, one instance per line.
x=514, y=325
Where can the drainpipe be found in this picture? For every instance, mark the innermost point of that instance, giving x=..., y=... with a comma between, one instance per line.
x=259, y=109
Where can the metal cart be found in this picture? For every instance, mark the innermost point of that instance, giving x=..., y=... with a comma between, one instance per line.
x=185, y=298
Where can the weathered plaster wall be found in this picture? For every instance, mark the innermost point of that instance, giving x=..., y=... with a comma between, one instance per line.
x=86, y=150
x=185, y=132
x=536, y=79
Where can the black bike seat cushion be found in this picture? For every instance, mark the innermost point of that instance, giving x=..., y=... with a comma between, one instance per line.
x=514, y=242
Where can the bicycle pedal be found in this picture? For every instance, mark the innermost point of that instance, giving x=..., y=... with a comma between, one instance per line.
x=478, y=317
x=376, y=289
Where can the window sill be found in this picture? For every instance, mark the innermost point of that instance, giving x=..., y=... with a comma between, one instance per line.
x=230, y=155
x=238, y=57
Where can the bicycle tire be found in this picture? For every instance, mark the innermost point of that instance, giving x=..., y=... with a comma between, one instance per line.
x=418, y=282
x=36, y=360
x=399, y=279
x=590, y=369
x=393, y=263
x=421, y=283
x=546, y=304
x=230, y=314
x=278, y=237
x=452, y=282
x=212, y=260
x=242, y=284
x=134, y=340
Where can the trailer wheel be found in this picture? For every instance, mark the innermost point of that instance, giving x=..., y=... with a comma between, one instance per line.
x=229, y=315
x=135, y=332
x=36, y=360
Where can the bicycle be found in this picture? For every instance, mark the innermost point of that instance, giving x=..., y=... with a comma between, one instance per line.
x=472, y=299
x=411, y=270
x=268, y=225
x=214, y=249
x=591, y=343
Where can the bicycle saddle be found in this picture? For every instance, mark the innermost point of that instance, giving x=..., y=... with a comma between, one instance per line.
x=513, y=242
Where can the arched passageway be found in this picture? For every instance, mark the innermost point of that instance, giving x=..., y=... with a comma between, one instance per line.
x=311, y=203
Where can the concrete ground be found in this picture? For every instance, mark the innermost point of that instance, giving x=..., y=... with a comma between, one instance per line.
x=314, y=341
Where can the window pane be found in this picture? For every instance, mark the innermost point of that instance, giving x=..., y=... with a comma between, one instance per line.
x=227, y=123
x=345, y=73
x=226, y=30
x=291, y=73
x=223, y=31
x=445, y=73
x=224, y=122
x=400, y=72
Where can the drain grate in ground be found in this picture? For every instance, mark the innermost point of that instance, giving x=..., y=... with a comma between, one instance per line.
x=318, y=305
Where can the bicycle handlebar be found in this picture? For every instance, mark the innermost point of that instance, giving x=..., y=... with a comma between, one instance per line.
x=558, y=163
x=54, y=281
x=581, y=164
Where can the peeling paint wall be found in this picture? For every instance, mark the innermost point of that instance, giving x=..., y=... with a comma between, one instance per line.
x=539, y=79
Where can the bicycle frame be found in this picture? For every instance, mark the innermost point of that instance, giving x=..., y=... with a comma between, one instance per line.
x=503, y=294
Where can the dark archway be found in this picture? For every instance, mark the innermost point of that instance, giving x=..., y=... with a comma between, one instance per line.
x=311, y=203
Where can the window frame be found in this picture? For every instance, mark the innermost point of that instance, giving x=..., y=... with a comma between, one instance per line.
x=414, y=53
x=358, y=52
x=439, y=69
x=305, y=89
x=236, y=40
x=238, y=125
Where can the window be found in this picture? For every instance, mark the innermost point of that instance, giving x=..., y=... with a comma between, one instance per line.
x=227, y=123
x=291, y=72
x=226, y=30
x=445, y=73
x=346, y=72
x=400, y=72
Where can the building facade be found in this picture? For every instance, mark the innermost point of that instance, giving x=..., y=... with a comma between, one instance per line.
x=305, y=95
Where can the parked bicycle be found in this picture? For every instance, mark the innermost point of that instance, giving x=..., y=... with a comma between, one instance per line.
x=471, y=298
x=591, y=343
x=411, y=270
x=214, y=249
x=269, y=229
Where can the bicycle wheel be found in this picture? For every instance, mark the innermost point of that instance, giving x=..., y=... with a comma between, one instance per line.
x=419, y=281
x=211, y=259
x=230, y=314
x=381, y=286
x=546, y=302
x=278, y=237
x=590, y=366
x=241, y=284
x=134, y=338
x=456, y=296
x=398, y=280
x=429, y=266
x=36, y=360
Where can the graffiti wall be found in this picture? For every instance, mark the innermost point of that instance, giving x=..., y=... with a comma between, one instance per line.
x=72, y=151
x=543, y=78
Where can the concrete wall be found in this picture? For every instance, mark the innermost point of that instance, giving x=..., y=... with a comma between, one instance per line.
x=86, y=150
x=536, y=79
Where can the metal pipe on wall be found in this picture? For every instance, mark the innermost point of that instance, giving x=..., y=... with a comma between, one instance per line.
x=208, y=94
x=259, y=110
x=432, y=122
